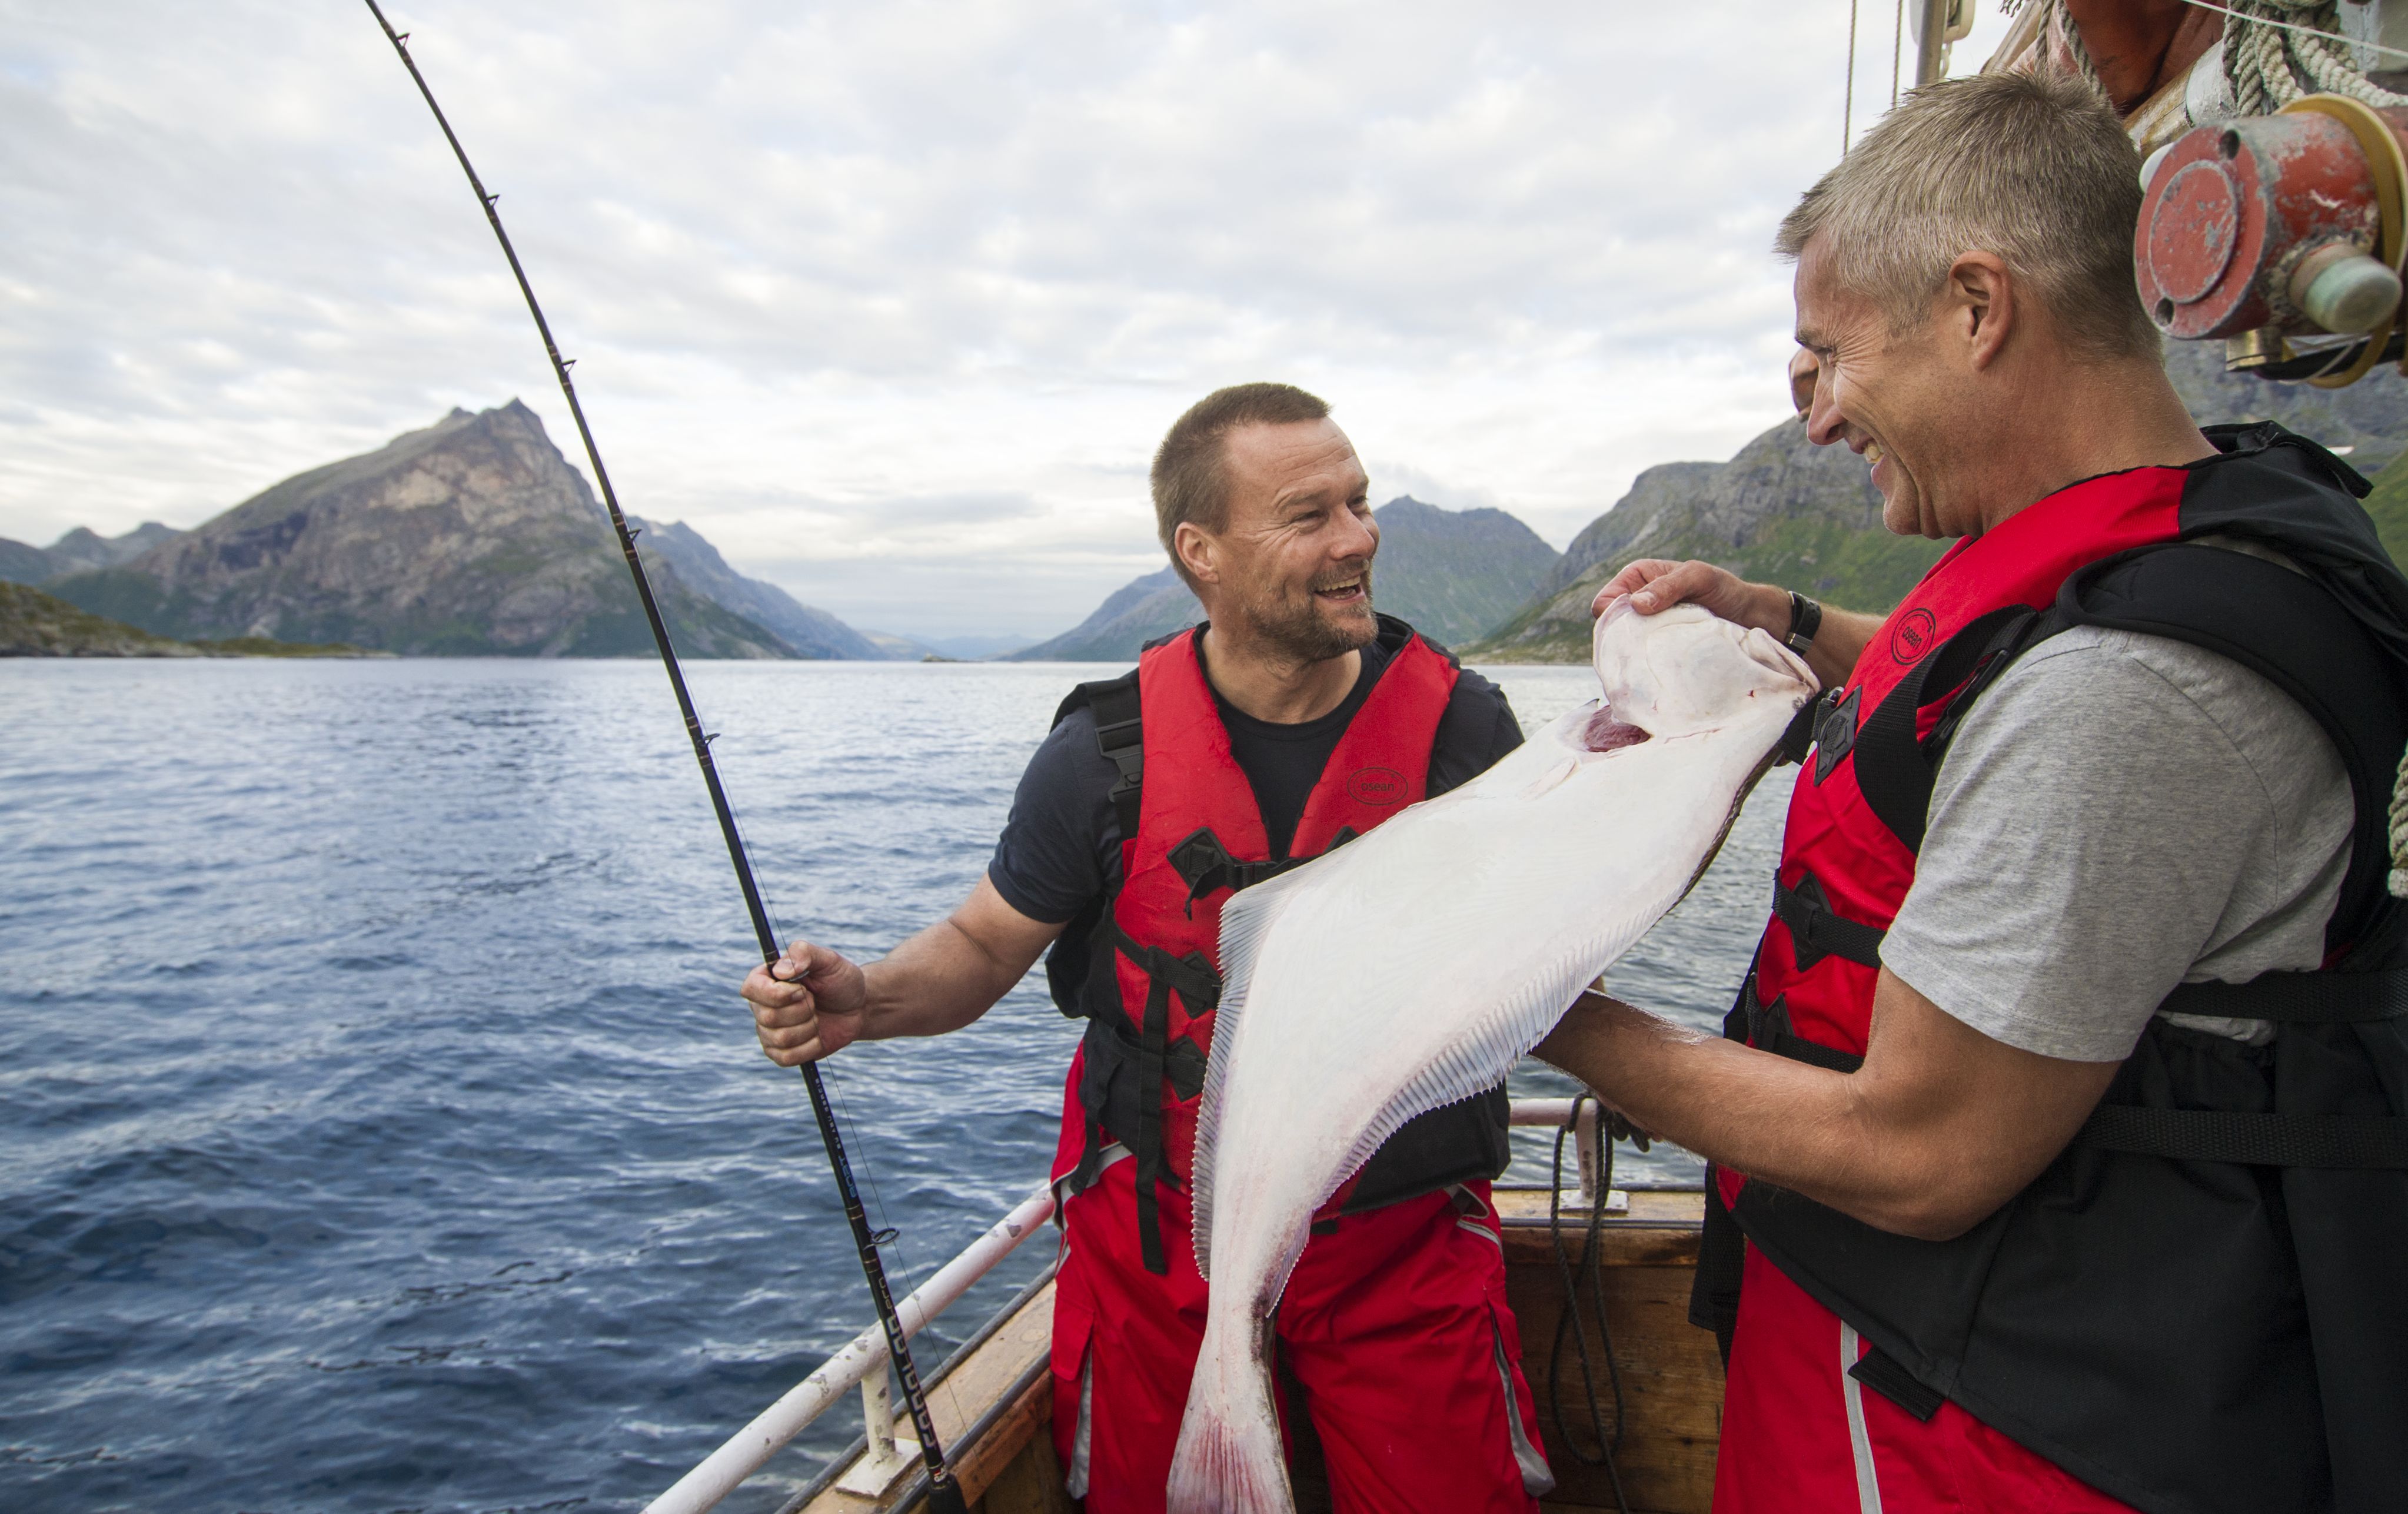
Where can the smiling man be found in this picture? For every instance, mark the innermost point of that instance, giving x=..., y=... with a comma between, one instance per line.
x=1294, y=720
x=2061, y=1105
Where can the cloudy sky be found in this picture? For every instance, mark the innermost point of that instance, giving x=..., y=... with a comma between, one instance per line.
x=891, y=301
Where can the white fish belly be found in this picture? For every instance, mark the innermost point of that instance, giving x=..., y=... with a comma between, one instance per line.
x=1412, y=968
x=1424, y=959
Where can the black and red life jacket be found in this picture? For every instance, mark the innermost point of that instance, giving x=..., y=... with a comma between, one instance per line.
x=2199, y=1305
x=1147, y=977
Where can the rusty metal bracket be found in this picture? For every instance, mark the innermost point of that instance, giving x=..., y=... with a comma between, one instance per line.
x=2380, y=142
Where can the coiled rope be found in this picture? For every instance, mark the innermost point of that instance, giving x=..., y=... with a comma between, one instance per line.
x=2274, y=51
x=2277, y=51
x=2399, y=882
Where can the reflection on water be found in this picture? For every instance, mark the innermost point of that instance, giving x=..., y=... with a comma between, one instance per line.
x=381, y=1128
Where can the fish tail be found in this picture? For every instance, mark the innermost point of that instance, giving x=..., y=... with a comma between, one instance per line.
x=1230, y=1458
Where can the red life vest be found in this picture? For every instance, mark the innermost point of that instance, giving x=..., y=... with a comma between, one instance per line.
x=1199, y=837
x=1835, y=845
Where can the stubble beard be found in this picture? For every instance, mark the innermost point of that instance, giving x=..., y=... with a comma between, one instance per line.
x=1307, y=634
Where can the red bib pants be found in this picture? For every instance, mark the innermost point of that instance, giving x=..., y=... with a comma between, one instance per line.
x=1396, y=1326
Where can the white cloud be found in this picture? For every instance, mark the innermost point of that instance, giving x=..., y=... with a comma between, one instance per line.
x=892, y=301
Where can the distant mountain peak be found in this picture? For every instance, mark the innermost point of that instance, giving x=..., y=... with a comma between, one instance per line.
x=1452, y=573
x=470, y=536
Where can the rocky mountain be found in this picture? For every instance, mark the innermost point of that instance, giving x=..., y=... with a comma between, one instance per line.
x=1451, y=573
x=472, y=537
x=78, y=550
x=695, y=562
x=1456, y=573
x=972, y=646
x=1131, y=615
x=22, y=563
x=1783, y=511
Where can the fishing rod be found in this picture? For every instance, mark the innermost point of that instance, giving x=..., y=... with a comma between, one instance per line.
x=944, y=1490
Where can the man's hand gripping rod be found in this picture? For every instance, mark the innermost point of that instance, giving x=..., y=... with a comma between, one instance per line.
x=944, y=1491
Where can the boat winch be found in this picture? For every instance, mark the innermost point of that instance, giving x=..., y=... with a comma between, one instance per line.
x=2269, y=227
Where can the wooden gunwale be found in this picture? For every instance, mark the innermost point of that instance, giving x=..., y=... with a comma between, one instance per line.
x=994, y=1400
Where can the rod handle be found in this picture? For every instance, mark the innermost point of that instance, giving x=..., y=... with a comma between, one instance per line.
x=945, y=1496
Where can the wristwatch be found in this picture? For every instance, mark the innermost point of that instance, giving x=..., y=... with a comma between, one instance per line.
x=1805, y=619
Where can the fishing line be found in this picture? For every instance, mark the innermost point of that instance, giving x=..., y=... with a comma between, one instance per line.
x=1568, y=1321
x=944, y=1491
x=885, y=1233
x=891, y=1236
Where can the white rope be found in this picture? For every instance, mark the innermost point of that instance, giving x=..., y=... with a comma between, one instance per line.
x=2400, y=834
x=2270, y=62
x=2293, y=26
x=2081, y=50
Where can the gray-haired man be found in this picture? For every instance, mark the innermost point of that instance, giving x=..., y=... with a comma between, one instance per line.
x=1970, y=1283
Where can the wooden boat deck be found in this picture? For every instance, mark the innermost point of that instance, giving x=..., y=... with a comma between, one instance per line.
x=994, y=1401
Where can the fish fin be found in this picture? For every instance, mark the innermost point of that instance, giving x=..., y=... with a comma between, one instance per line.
x=1230, y=1458
x=1480, y=1060
x=1245, y=921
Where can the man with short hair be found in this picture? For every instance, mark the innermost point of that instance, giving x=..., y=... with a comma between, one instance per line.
x=2069, y=1176
x=1292, y=720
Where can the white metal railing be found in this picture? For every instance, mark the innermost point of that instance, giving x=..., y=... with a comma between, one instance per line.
x=862, y=1361
x=1556, y=1113
x=718, y=1474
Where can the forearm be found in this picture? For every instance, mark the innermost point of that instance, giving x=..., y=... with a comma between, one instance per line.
x=1839, y=640
x=1801, y=1126
x=937, y=981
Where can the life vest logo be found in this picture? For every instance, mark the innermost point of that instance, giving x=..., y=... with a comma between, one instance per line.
x=1913, y=636
x=1375, y=785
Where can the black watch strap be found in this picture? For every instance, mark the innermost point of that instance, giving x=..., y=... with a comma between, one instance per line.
x=1805, y=619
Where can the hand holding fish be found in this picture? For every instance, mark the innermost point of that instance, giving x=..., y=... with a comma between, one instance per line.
x=1656, y=585
x=806, y=1004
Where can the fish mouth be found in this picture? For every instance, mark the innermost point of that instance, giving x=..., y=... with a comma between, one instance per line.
x=1352, y=590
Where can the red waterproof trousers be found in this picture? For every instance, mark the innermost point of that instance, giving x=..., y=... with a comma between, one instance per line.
x=1395, y=1325
x=1800, y=1436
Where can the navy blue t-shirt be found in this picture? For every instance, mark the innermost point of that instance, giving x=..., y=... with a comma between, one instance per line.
x=1060, y=852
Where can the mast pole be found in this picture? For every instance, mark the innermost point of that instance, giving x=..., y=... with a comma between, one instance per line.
x=944, y=1490
x=1931, y=42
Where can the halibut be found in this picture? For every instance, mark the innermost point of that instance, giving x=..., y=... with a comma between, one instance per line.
x=1412, y=968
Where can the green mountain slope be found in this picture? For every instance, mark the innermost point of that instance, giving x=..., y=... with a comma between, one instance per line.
x=35, y=625
x=1451, y=573
x=1454, y=573
x=1783, y=511
x=2388, y=505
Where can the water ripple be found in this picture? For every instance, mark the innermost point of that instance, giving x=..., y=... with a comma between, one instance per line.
x=382, y=1130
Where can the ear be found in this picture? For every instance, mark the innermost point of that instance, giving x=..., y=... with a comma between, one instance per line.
x=1198, y=551
x=1982, y=294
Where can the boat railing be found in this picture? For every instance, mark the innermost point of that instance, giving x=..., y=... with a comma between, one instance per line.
x=862, y=1362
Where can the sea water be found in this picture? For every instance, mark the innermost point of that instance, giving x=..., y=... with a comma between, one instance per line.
x=380, y=1126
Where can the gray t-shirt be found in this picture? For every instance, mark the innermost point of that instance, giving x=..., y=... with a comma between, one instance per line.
x=2120, y=813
